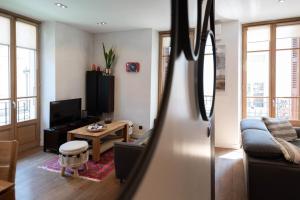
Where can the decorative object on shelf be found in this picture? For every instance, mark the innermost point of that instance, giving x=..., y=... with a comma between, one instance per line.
x=109, y=57
x=98, y=68
x=93, y=67
x=97, y=127
x=107, y=117
x=132, y=67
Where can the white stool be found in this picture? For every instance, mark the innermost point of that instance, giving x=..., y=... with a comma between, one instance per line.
x=73, y=154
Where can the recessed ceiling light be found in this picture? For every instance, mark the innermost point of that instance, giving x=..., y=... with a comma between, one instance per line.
x=101, y=23
x=281, y=1
x=61, y=5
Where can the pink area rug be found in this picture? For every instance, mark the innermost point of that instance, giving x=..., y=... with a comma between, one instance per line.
x=96, y=171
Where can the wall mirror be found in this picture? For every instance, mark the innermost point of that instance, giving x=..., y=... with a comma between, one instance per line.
x=207, y=76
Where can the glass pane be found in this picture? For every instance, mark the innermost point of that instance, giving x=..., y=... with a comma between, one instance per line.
x=5, y=112
x=166, y=50
x=287, y=36
x=258, y=38
x=257, y=107
x=288, y=108
x=26, y=109
x=258, y=74
x=26, y=72
x=287, y=43
x=208, y=74
x=4, y=30
x=4, y=72
x=287, y=73
x=26, y=35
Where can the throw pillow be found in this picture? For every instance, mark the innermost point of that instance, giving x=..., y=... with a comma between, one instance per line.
x=290, y=151
x=280, y=128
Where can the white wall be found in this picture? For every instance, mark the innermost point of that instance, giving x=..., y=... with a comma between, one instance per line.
x=180, y=168
x=133, y=100
x=228, y=103
x=154, y=77
x=47, y=71
x=73, y=57
x=66, y=53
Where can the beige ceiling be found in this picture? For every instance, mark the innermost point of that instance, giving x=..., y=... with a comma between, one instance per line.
x=137, y=14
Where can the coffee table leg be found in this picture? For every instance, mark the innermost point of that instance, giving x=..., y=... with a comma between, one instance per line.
x=70, y=137
x=96, y=149
x=125, y=133
x=62, y=172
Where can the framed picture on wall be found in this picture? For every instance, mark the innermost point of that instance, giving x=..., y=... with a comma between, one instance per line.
x=132, y=67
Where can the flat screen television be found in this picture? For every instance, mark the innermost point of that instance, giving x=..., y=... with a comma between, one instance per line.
x=64, y=112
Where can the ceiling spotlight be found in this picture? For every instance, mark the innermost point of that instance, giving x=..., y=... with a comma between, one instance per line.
x=281, y=1
x=101, y=23
x=61, y=5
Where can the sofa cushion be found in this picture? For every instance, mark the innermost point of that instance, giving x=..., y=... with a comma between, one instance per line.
x=280, y=128
x=290, y=151
x=297, y=131
x=260, y=144
x=296, y=142
x=253, y=124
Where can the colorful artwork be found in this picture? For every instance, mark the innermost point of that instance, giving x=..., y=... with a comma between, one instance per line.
x=132, y=67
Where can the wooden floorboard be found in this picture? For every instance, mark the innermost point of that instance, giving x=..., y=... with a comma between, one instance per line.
x=35, y=183
x=229, y=175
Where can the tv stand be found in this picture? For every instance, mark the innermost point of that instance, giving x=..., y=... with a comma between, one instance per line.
x=56, y=136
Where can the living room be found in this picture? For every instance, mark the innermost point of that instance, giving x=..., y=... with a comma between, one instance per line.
x=95, y=103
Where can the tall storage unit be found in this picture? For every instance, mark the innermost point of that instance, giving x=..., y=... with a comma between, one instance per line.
x=99, y=93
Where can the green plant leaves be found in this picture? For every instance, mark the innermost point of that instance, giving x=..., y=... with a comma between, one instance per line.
x=108, y=56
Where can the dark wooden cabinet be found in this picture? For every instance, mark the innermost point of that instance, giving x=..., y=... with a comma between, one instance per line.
x=56, y=136
x=100, y=91
x=91, y=92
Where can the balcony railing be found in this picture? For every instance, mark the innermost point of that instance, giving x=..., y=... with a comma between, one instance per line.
x=285, y=107
x=26, y=109
x=4, y=112
x=288, y=107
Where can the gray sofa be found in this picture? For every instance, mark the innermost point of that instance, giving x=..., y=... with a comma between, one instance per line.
x=127, y=154
x=268, y=174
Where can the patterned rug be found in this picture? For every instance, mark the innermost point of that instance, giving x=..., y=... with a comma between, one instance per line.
x=96, y=171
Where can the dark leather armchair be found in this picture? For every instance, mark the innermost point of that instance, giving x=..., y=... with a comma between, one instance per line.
x=127, y=154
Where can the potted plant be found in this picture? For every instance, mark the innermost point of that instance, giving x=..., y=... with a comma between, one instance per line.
x=109, y=59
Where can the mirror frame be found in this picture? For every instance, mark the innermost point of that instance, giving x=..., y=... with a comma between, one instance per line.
x=202, y=108
x=178, y=45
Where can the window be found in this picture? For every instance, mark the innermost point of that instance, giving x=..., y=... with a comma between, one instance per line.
x=26, y=71
x=271, y=79
x=208, y=73
x=258, y=53
x=164, y=56
x=5, y=96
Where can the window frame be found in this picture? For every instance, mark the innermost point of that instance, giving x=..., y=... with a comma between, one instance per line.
x=272, y=63
x=14, y=18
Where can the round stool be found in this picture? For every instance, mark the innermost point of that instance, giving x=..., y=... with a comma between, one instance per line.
x=73, y=154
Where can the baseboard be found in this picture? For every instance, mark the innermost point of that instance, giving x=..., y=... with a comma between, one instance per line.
x=228, y=146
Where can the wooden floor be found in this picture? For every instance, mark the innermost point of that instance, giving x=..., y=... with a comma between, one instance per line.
x=229, y=175
x=34, y=183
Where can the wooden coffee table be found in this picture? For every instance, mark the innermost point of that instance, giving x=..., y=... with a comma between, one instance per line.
x=95, y=137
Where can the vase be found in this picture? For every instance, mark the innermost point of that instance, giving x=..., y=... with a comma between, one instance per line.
x=93, y=67
x=108, y=71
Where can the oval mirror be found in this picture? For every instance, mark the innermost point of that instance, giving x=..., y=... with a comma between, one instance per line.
x=207, y=76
